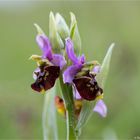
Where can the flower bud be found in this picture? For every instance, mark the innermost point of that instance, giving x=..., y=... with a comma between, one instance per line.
x=59, y=103
x=55, y=38
x=62, y=27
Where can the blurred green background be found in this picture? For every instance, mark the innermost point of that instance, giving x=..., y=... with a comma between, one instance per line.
x=100, y=23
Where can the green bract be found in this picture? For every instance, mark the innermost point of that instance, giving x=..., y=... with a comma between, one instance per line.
x=74, y=34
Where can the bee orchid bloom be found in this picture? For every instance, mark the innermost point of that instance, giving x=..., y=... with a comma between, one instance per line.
x=49, y=64
x=84, y=83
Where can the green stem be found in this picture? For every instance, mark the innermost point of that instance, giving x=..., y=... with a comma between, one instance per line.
x=70, y=113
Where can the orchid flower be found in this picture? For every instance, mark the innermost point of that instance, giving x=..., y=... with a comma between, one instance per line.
x=49, y=64
x=84, y=82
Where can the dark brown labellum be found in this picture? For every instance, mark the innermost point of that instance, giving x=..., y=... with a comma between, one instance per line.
x=87, y=87
x=46, y=78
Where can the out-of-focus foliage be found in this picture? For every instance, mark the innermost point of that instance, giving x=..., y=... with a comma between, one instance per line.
x=99, y=24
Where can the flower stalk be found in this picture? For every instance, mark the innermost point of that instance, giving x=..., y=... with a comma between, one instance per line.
x=69, y=104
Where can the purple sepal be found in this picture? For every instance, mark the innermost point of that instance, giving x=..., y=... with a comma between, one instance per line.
x=45, y=46
x=71, y=54
x=69, y=73
x=58, y=60
x=100, y=108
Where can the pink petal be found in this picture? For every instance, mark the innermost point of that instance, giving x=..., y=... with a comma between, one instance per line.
x=100, y=108
x=70, y=51
x=44, y=45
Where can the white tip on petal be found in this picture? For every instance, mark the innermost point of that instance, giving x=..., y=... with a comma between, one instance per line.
x=100, y=108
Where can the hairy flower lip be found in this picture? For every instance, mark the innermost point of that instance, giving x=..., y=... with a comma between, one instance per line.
x=87, y=87
x=45, y=78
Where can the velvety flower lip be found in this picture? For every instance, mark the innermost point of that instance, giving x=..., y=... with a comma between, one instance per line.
x=87, y=88
x=78, y=62
x=45, y=46
x=45, y=78
x=100, y=108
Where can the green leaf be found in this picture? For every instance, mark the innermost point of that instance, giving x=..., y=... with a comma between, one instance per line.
x=62, y=27
x=74, y=34
x=55, y=38
x=101, y=77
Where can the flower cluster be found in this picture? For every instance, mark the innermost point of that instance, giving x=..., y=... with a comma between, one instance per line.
x=76, y=72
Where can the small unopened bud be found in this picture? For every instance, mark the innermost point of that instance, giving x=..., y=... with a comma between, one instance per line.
x=55, y=38
x=62, y=27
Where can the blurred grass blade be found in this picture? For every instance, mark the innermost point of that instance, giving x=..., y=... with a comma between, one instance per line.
x=101, y=77
x=87, y=107
x=49, y=121
x=74, y=33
